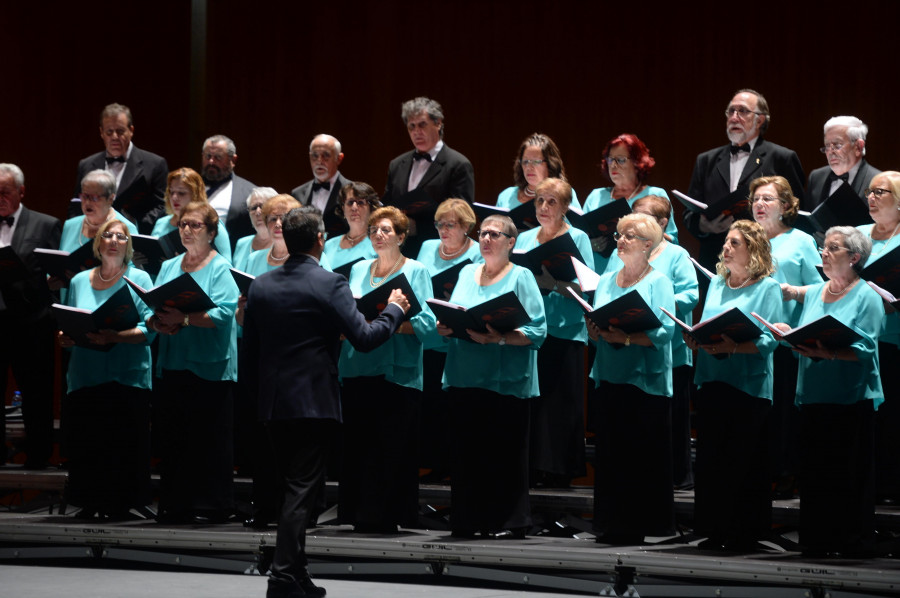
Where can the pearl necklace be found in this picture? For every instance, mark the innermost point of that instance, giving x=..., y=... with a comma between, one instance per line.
x=450, y=256
x=278, y=259
x=841, y=292
x=372, y=269
x=353, y=241
x=639, y=278
x=872, y=236
x=114, y=276
x=741, y=286
x=528, y=191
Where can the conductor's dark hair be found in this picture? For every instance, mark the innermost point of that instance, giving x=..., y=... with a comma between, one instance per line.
x=301, y=227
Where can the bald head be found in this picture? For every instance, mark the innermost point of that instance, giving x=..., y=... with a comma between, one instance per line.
x=325, y=156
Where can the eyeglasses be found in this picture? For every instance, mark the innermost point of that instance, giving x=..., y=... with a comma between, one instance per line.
x=877, y=191
x=742, y=112
x=317, y=155
x=448, y=225
x=765, y=198
x=254, y=207
x=117, y=236
x=193, y=224
x=628, y=236
x=831, y=249
x=494, y=235
x=834, y=147
x=621, y=160
x=93, y=198
x=384, y=230
x=273, y=218
x=534, y=163
x=359, y=203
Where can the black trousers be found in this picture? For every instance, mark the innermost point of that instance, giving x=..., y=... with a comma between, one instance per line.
x=732, y=494
x=28, y=348
x=837, y=499
x=301, y=449
x=489, y=478
x=633, y=493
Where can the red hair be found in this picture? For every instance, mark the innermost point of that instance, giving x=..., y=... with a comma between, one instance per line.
x=637, y=151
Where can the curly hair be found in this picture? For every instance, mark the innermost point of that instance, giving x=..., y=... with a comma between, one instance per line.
x=758, y=248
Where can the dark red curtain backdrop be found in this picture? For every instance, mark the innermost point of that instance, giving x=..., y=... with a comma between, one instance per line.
x=275, y=74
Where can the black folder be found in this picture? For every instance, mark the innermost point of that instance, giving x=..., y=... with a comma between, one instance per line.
x=503, y=313
x=117, y=313
x=373, y=303
x=182, y=293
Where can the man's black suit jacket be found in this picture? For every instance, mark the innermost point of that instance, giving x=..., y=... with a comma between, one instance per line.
x=293, y=322
x=819, y=186
x=450, y=175
x=29, y=300
x=238, y=223
x=141, y=194
x=711, y=181
x=334, y=224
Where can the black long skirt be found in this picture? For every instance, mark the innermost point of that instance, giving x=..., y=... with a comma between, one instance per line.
x=887, y=426
x=107, y=442
x=489, y=476
x=633, y=493
x=557, y=416
x=196, y=472
x=837, y=498
x=379, y=487
x=732, y=491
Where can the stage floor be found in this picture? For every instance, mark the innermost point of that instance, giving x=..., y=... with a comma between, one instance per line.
x=569, y=561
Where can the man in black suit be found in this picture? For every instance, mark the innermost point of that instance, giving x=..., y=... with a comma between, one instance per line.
x=845, y=150
x=432, y=170
x=140, y=175
x=29, y=330
x=731, y=167
x=294, y=318
x=323, y=191
x=227, y=192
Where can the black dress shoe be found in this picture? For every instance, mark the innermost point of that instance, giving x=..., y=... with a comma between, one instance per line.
x=466, y=534
x=714, y=544
x=517, y=533
x=257, y=523
x=309, y=588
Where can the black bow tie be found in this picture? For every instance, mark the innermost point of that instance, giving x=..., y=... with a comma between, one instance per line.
x=326, y=185
x=421, y=156
x=833, y=177
x=9, y=220
x=111, y=159
x=740, y=148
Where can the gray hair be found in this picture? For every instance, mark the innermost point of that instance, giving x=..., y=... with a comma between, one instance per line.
x=230, y=148
x=855, y=242
x=331, y=139
x=422, y=104
x=103, y=178
x=262, y=193
x=506, y=224
x=15, y=172
x=856, y=129
x=113, y=110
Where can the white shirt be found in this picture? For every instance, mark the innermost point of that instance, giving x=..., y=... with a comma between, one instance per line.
x=420, y=167
x=6, y=231
x=319, y=197
x=738, y=161
x=118, y=168
x=221, y=199
x=852, y=175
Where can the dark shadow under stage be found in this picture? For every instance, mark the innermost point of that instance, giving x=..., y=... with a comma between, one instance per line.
x=565, y=559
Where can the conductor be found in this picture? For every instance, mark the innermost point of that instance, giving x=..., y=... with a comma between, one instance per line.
x=294, y=319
